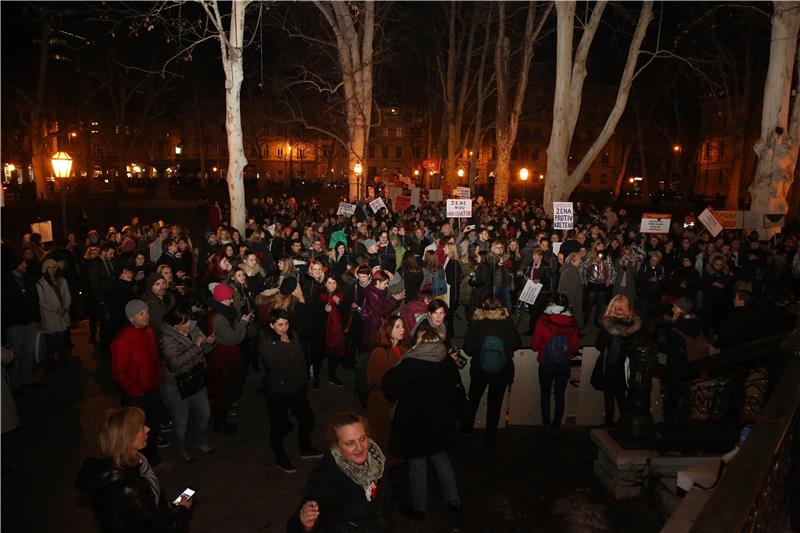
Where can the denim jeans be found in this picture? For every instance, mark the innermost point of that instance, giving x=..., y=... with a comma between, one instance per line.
x=504, y=293
x=179, y=410
x=547, y=377
x=418, y=476
x=23, y=340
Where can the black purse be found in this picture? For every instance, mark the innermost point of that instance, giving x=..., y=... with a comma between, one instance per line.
x=192, y=380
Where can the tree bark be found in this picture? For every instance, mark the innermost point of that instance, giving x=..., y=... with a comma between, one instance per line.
x=777, y=147
x=570, y=75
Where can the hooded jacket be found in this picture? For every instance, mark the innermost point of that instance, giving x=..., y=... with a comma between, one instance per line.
x=625, y=330
x=555, y=321
x=134, y=361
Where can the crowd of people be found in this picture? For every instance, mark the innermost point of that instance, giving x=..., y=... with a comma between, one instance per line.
x=185, y=316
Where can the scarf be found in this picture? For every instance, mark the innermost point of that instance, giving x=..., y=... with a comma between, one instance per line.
x=228, y=311
x=365, y=475
x=147, y=472
x=334, y=330
x=434, y=352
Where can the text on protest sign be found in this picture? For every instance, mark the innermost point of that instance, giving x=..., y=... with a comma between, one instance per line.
x=655, y=223
x=459, y=208
x=377, y=204
x=346, y=209
x=710, y=221
x=563, y=217
x=461, y=192
x=530, y=292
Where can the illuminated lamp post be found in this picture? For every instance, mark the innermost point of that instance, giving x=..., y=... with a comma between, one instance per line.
x=62, y=166
x=523, y=176
x=357, y=169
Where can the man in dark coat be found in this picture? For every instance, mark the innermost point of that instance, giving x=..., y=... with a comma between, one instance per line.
x=20, y=317
x=101, y=280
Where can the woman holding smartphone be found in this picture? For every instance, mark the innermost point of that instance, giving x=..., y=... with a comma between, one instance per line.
x=124, y=490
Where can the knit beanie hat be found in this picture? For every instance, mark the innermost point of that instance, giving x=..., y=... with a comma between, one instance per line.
x=150, y=280
x=46, y=264
x=288, y=285
x=134, y=307
x=684, y=304
x=222, y=292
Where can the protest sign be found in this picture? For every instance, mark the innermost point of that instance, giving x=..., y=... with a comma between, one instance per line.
x=710, y=221
x=377, y=204
x=402, y=203
x=45, y=229
x=556, y=247
x=435, y=195
x=415, y=196
x=461, y=192
x=346, y=209
x=530, y=292
x=370, y=193
x=730, y=219
x=459, y=208
x=655, y=223
x=394, y=192
x=562, y=215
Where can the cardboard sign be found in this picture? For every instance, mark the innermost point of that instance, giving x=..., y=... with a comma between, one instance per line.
x=563, y=217
x=655, y=223
x=730, y=219
x=346, y=209
x=710, y=222
x=461, y=192
x=45, y=229
x=402, y=203
x=530, y=292
x=435, y=195
x=377, y=204
x=556, y=247
x=458, y=208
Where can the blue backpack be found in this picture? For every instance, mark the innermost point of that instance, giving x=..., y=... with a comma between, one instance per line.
x=439, y=284
x=493, y=355
x=556, y=352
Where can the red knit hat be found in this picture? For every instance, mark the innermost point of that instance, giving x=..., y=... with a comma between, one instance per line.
x=222, y=292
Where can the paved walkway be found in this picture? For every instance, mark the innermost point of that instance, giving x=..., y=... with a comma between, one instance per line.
x=239, y=489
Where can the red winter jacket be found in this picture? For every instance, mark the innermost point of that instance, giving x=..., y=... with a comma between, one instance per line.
x=134, y=361
x=549, y=325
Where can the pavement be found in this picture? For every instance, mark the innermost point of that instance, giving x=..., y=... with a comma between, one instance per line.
x=508, y=488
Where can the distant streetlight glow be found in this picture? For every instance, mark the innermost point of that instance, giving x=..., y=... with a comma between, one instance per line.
x=523, y=174
x=541, y=176
x=357, y=168
x=631, y=180
x=178, y=150
x=416, y=172
x=676, y=148
x=62, y=164
x=460, y=172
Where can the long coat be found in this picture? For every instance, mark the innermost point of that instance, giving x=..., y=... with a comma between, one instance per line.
x=54, y=311
x=379, y=407
x=425, y=412
x=570, y=283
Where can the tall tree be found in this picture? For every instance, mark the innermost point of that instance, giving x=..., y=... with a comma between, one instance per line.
x=509, y=108
x=570, y=75
x=778, y=145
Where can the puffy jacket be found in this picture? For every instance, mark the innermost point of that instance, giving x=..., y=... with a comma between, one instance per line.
x=552, y=323
x=134, y=361
x=179, y=353
x=123, y=500
x=284, y=364
x=598, y=271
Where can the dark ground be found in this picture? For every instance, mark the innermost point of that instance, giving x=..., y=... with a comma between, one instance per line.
x=239, y=489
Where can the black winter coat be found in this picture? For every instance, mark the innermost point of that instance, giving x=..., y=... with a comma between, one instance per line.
x=341, y=501
x=123, y=500
x=284, y=363
x=426, y=406
x=497, y=323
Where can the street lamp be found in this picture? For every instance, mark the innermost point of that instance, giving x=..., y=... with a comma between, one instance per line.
x=523, y=174
x=460, y=172
x=676, y=148
x=62, y=165
x=357, y=169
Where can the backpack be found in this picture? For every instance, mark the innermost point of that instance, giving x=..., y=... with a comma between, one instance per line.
x=439, y=283
x=556, y=351
x=411, y=313
x=493, y=355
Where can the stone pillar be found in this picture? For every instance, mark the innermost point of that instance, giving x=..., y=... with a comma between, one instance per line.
x=636, y=429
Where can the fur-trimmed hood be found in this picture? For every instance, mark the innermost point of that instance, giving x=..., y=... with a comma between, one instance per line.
x=493, y=314
x=621, y=328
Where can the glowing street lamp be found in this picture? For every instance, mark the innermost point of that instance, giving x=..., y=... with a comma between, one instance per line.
x=357, y=169
x=523, y=174
x=676, y=148
x=62, y=166
x=416, y=172
x=460, y=172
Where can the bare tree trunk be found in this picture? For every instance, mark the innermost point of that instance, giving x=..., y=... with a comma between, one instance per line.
x=570, y=75
x=735, y=178
x=623, y=169
x=476, y=133
x=778, y=145
x=39, y=126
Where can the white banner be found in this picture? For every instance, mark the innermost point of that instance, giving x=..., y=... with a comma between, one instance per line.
x=654, y=223
x=458, y=208
x=415, y=194
x=346, y=209
x=377, y=204
x=530, y=292
x=710, y=222
x=563, y=217
x=461, y=192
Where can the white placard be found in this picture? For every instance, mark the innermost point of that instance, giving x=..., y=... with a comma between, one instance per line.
x=271, y=230
x=377, y=204
x=45, y=229
x=435, y=195
x=394, y=192
x=654, y=223
x=556, y=247
x=458, y=208
x=563, y=217
x=370, y=193
x=530, y=292
x=461, y=192
x=710, y=222
x=346, y=209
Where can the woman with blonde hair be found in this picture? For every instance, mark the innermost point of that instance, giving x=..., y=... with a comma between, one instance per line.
x=620, y=328
x=125, y=492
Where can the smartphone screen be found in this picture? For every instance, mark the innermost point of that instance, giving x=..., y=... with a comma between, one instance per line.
x=186, y=492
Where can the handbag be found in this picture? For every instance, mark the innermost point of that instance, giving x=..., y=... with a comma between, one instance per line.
x=598, y=373
x=192, y=380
